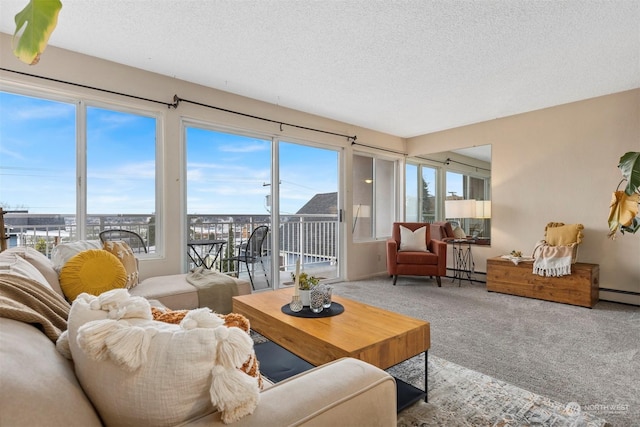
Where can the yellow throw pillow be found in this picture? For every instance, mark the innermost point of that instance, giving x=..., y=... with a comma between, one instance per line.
x=93, y=271
x=564, y=235
x=123, y=252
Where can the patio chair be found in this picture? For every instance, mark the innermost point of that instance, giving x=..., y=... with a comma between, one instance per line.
x=252, y=252
x=131, y=238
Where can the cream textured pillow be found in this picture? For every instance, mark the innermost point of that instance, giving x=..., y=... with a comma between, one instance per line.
x=413, y=240
x=459, y=233
x=93, y=271
x=140, y=372
x=65, y=251
x=123, y=252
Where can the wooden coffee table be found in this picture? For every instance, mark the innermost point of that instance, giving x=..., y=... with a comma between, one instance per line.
x=379, y=337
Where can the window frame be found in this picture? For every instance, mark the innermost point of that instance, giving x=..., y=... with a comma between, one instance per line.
x=374, y=234
x=81, y=103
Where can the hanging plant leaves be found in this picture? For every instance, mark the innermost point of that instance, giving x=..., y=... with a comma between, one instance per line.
x=630, y=167
x=623, y=211
x=40, y=18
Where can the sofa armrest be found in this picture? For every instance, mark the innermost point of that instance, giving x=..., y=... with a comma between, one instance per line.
x=345, y=392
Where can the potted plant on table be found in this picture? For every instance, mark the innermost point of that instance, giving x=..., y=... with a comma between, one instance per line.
x=305, y=283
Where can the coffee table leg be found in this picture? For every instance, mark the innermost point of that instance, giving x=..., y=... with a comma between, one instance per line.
x=426, y=376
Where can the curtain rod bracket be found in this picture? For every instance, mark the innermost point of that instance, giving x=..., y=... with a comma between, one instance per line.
x=176, y=102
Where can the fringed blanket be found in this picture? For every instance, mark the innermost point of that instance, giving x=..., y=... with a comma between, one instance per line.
x=30, y=302
x=552, y=261
x=214, y=289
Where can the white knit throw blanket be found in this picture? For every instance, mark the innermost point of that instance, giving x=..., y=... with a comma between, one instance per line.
x=552, y=261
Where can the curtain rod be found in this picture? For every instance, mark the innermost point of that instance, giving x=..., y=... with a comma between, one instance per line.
x=90, y=87
x=377, y=148
x=177, y=100
x=449, y=160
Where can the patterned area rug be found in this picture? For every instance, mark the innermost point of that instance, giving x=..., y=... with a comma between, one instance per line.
x=461, y=397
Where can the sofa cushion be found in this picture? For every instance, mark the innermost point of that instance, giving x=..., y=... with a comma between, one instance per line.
x=421, y=258
x=63, y=252
x=176, y=293
x=138, y=371
x=12, y=263
x=123, y=252
x=41, y=262
x=93, y=271
x=39, y=386
x=173, y=291
x=413, y=240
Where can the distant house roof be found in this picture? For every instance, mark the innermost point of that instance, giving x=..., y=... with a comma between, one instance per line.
x=323, y=203
x=31, y=220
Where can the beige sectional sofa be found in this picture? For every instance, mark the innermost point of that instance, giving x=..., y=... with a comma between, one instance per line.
x=39, y=385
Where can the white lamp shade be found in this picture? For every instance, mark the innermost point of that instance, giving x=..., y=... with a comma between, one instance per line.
x=460, y=208
x=483, y=209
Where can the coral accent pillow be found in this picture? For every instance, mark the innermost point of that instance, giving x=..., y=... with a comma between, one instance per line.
x=564, y=235
x=93, y=271
x=141, y=372
x=413, y=240
x=123, y=252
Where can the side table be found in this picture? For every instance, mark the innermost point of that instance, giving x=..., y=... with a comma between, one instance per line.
x=463, y=264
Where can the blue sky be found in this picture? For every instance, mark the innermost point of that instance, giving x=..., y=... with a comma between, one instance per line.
x=226, y=174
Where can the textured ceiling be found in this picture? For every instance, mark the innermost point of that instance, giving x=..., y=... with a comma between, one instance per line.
x=402, y=67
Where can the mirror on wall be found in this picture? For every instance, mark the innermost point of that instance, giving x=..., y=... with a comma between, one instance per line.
x=454, y=186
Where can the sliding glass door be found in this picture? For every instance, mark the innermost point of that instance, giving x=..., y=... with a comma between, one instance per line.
x=228, y=192
x=309, y=206
x=237, y=184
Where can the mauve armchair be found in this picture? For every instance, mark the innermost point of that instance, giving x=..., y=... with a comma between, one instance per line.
x=411, y=262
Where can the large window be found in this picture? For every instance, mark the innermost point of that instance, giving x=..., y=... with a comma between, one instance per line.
x=58, y=172
x=374, y=197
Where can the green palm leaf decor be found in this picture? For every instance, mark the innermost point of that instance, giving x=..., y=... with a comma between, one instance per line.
x=39, y=18
x=623, y=213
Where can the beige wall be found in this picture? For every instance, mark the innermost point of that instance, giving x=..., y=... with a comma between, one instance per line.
x=557, y=164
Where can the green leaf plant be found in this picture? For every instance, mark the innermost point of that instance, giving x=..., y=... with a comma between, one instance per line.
x=623, y=213
x=39, y=18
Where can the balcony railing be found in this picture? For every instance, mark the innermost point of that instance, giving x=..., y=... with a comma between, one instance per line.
x=312, y=237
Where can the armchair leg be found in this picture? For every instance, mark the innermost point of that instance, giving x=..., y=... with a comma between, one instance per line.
x=395, y=277
x=439, y=281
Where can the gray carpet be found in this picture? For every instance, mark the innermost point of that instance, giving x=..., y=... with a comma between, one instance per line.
x=589, y=357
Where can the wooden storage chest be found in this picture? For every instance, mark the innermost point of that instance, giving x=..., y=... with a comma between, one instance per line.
x=580, y=288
